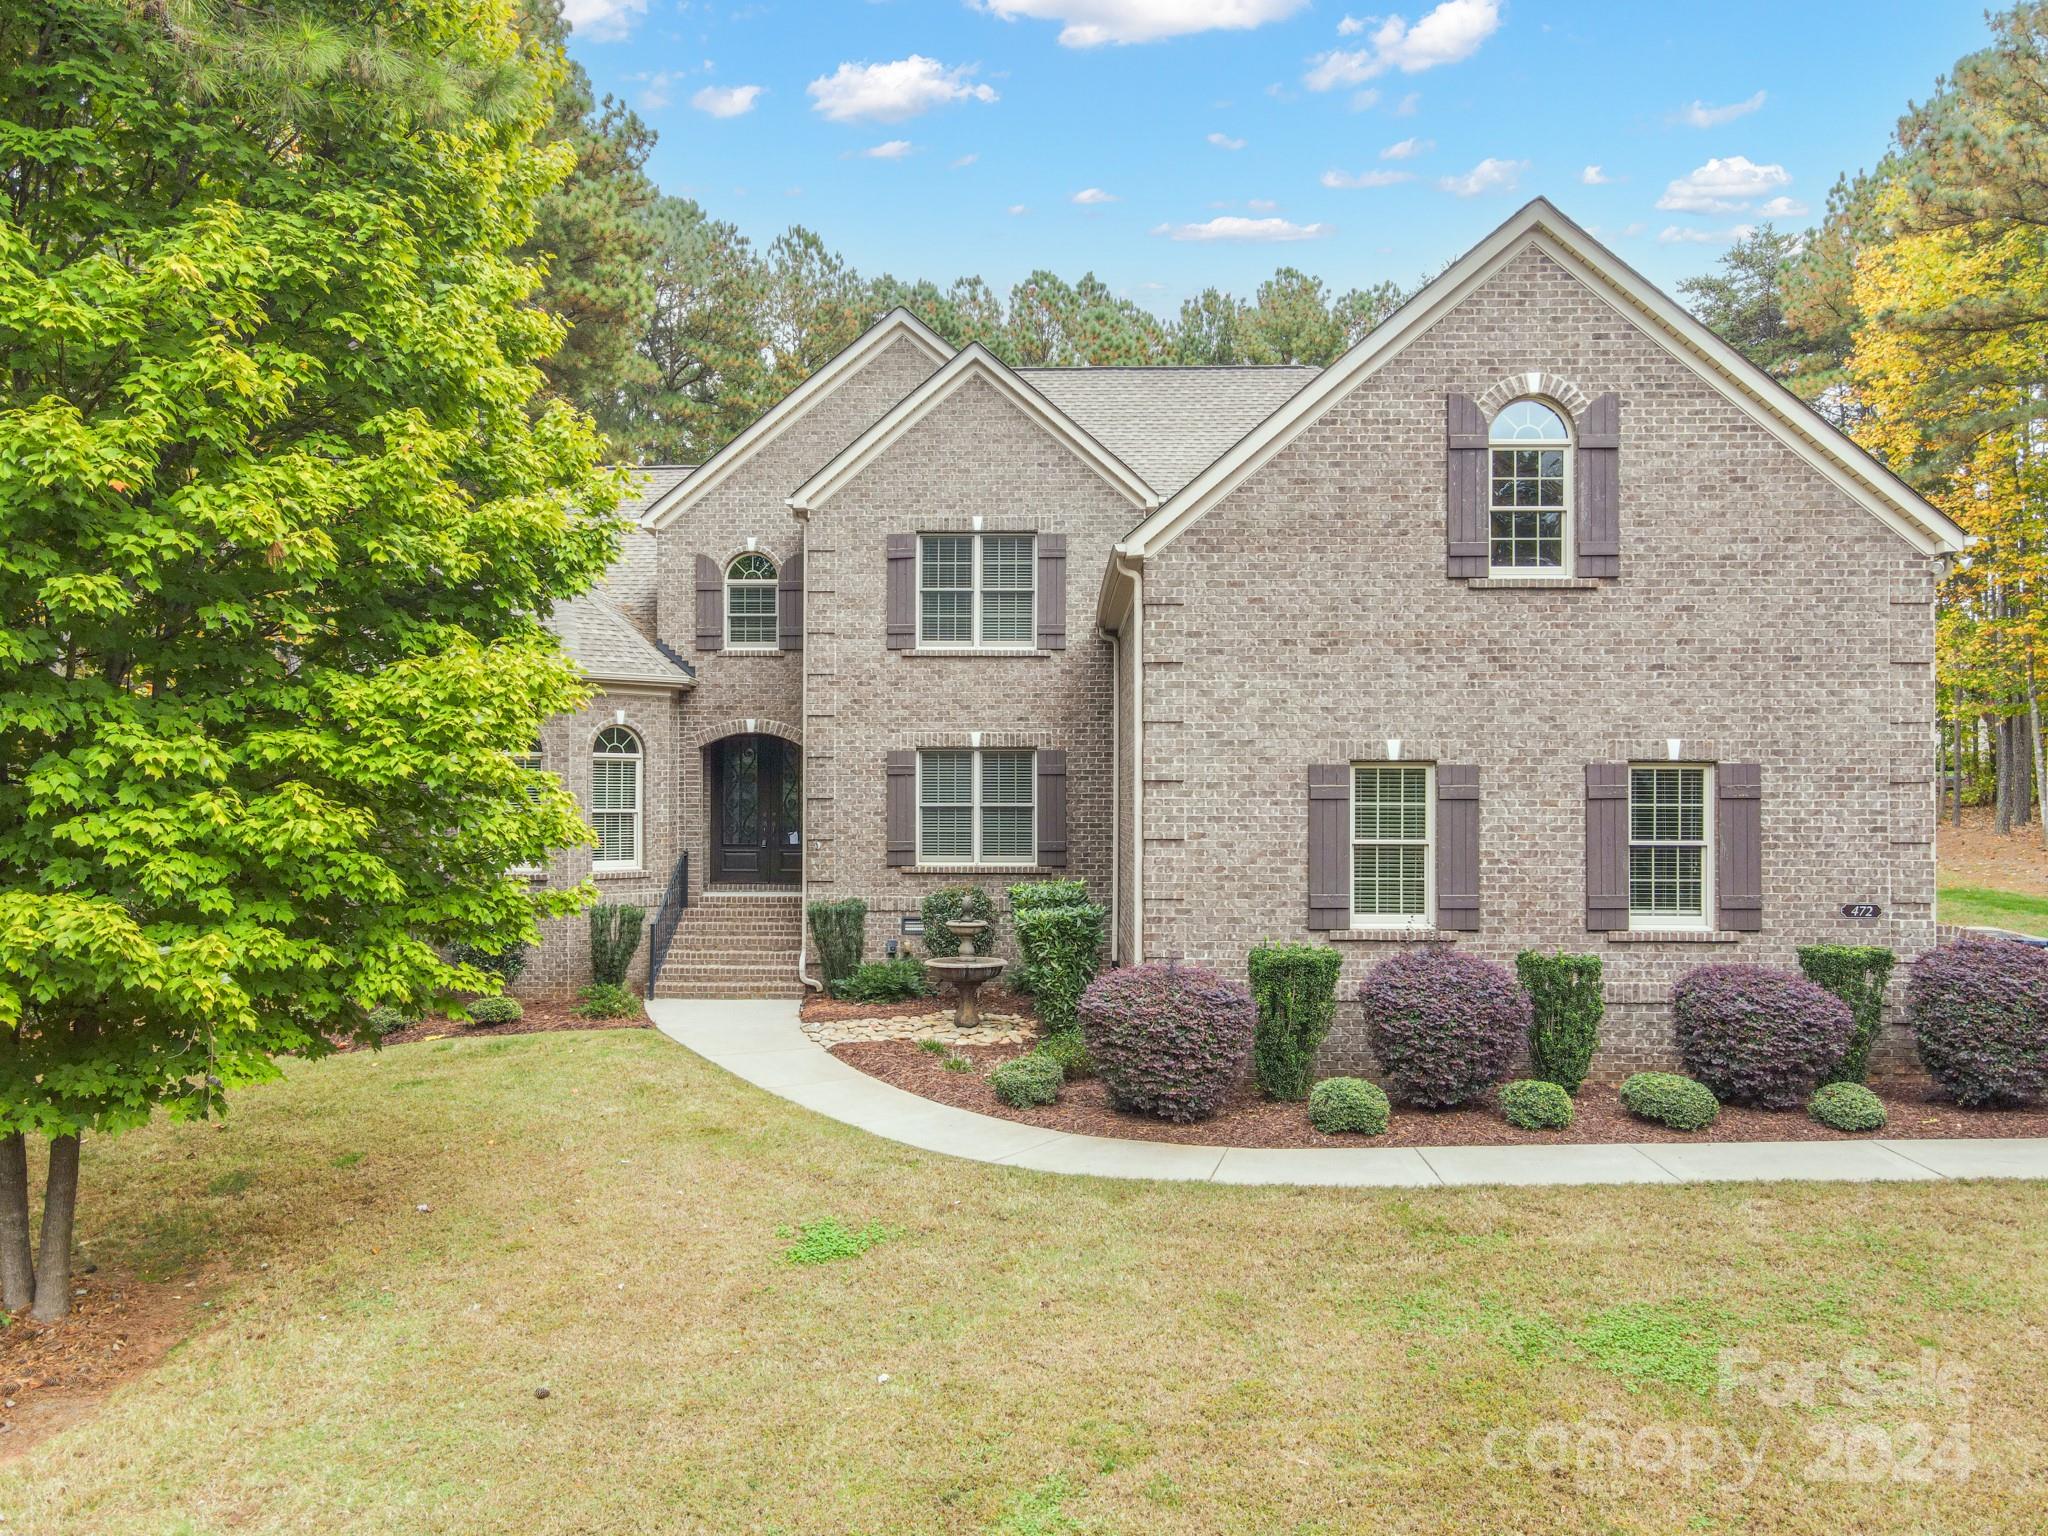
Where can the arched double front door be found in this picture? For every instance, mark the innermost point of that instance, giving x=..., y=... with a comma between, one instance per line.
x=757, y=794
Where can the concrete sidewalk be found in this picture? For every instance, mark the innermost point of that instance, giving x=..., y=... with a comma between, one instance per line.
x=761, y=1042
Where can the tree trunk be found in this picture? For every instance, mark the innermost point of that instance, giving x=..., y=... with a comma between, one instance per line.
x=1959, y=769
x=17, y=1271
x=53, y=1257
x=2034, y=741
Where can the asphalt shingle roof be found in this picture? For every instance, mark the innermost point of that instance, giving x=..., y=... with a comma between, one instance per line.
x=651, y=482
x=1168, y=424
x=605, y=644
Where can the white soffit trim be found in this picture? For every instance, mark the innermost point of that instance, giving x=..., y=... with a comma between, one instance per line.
x=972, y=362
x=766, y=427
x=1539, y=224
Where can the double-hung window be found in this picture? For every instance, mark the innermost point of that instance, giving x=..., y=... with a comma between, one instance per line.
x=530, y=761
x=1667, y=846
x=976, y=807
x=615, y=798
x=750, y=585
x=1392, y=827
x=976, y=589
x=1531, y=489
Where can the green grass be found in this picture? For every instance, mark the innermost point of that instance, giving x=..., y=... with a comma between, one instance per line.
x=1976, y=906
x=1026, y=1353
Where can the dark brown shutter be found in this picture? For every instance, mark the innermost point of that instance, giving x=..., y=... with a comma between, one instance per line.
x=1466, y=481
x=710, y=605
x=902, y=808
x=902, y=592
x=1599, y=488
x=1739, y=847
x=1457, y=846
x=1052, y=591
x=1606, y=846
x=1052, y=809
x=789, y=603
x=1329, y=845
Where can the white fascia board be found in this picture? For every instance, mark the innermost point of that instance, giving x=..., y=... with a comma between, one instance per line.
x=769, y=425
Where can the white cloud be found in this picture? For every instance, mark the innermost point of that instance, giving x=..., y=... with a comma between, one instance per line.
x=1340, y=181
x=892, y=149
x=961, y=162
x=1017, y=208
x=1594, y=176
x=888, y=93
x=1225, y=141
x=1700, y=115
x=1784, y=208
x=602, y=21
x=726, y=100
x=1261, y=204
x=1351, y=26
x=1091, y=23
x=1489, y=175
x=1722, y=186
x=1234, y=227
x=1408, y=149
x=1673, y=235
x=1406, y=106
x=1450, y=33
x=1088, y=197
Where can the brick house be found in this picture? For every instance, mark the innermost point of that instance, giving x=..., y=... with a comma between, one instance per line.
x=1538, y=619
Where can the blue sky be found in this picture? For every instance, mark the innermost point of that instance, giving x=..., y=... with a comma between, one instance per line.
x=1170, y=144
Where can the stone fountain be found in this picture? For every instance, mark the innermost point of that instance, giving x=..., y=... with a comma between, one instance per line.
x=966, y=971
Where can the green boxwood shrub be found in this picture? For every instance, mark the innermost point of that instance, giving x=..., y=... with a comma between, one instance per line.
x=605, y=1000
x=614, y=935
x=387, y=1020
x=840, y=930
x=1857, y=974
x=1670, y=1099
x=1847, y=1107
x=1062, y=949
x=963, y=903
x=1567, y=1004
x=507, y=965
x=1536, y=1104
x=1340, y=1105
x=885, y=981
x=1039, y=893
x=489, y=1012
x=1024, y=1081
x=1295, y=988
x=1070, y=1051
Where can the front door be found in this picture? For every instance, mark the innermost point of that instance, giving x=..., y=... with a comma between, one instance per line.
x=757, y=807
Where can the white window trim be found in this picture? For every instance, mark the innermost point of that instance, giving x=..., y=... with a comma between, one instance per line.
x=533, y=760
x=1567, y=552
x=773, y=583
x=1669, y=922
x=1030, y=640
x=1426, y=918
x=638, y=757
x=976, y=860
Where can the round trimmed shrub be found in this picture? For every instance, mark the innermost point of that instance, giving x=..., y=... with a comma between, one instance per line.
x=1024, y=1081
x=1168, y=1040
x=1669, y=1099
x=1340, y=1104
x=1980, y=1019
x=489, y=1012
x=387, y=1020
x=1444, y=1024
x=1847, y=1107
x=1533, y=1104
x=1071, y=1052
x=1758, y=1036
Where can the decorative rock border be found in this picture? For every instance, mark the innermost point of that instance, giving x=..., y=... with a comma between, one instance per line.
x=996, y=1029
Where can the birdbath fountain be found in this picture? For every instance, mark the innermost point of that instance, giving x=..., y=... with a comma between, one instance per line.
x=966, y=971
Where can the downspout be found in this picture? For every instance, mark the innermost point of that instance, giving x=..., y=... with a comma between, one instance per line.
x=1136, y=571
x=1116, y=799
x=803, y=723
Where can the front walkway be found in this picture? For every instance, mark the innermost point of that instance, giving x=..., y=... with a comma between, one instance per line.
x=762, y=1042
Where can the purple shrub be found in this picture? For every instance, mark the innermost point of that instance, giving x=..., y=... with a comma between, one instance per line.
x=1980, y=1018
x=1168, y=1040
x=1758, y=1036
x=1444, y=1024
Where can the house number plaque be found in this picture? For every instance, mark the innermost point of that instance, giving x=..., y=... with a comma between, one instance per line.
x=1862, y=909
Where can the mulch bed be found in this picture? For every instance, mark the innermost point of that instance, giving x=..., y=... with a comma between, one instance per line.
x=543, y=1015
x=993, y=1000
x=1246, y=1120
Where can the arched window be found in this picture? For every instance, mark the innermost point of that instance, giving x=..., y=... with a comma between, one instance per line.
x=1531, y=501
x=750, y=600
x=615, y=798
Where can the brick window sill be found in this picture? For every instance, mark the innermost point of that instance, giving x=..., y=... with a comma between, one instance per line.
x=1673, y=936
x=1535, y=584
x=618, y=874
x=752, y=650
x=1394, y=936
x=978, y=869
x=979, y=653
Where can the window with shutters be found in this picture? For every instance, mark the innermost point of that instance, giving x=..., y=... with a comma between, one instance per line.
x=1668, y=848
x=1392, y=824
x=1530, y=501
x=530, y=761
x=615, y=798
x=976, y=589
x=976, y=808
x=750, y=603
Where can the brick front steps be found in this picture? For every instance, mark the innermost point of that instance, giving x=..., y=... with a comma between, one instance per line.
x=735, y=944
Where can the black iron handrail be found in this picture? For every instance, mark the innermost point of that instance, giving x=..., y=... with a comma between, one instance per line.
x=666, y=917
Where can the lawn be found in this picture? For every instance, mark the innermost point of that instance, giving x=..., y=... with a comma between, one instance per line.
x=1984, y=879
x=970, y=1349
x=1977, y=906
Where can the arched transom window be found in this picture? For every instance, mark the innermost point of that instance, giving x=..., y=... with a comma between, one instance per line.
x=750, y=600
x=1531, y=502
x=615, y=798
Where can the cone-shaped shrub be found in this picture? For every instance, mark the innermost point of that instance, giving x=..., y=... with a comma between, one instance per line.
x=1443, y=1024
x=1980, y=1019
x=1168, y=1040
x=1759, y=1036
x=1295, y=987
